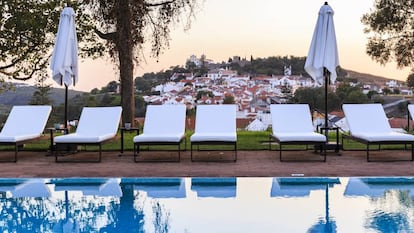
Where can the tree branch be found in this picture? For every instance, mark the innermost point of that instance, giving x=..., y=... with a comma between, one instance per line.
x=106, y=36
x=38, y=67
x=15, y=61
x=159, y=4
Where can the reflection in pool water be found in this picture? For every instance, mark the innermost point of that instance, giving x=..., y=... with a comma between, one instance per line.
x=280, y=204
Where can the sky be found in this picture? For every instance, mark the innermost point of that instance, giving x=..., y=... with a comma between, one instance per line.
x=258, y=28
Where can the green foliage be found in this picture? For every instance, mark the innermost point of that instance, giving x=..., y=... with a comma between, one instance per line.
x=107, y=100
x=356, y=97
x=140, y=106
x=350, y=94
x=28, y=30
x=410, y=81
x=202, y=93
x=112, y=86
x=41, y=95
x=371, y=93
x=386, y=91
x=315, y=97
x=228, y=99
x=126, y=26
x=246, y=141
x=27, y=36
x=390, y=27
x=95, y=91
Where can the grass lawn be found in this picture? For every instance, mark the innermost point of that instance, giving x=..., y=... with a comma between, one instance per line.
x=246, y=140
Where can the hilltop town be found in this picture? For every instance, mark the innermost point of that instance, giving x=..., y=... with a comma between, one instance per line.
x=251, y=84
x=252, y=93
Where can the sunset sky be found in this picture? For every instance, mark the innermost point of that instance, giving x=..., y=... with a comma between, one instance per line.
x=261, y=28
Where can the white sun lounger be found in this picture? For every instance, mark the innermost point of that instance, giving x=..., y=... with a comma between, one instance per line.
x=369, y=125
x=377, y=186
x=22, y=187
x=24, y=124
x=160, y=187
x=215, y=125
x=292, y=125
x=301, y=186
x=164, y=125
x=222, y=187
x=103, y=187
x=97, y=125
x=410, y=108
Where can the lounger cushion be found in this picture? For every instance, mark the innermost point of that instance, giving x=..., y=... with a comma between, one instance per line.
x=389, y=136
x=300, y=137
x=82, y=138
x=25, y=123
x=17, y=138
x=369, y=122
x=215, y=123
x=163, y=123
x=96, y=124
x=293, y=123
x=291, y=118
x=225, y=137
x=159, y=137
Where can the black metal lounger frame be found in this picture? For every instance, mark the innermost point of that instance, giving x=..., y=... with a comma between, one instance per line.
x=202, y=143
x=379, y=143
x=99, y=144
x=304, y=143
x=16, y=147
x=160, y=143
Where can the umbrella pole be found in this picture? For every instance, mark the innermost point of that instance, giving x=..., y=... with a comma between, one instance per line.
x=327, y=203
x=66, y=206
x=66, y=110
x=326, y=74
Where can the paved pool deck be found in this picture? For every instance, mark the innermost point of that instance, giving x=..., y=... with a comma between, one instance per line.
x=261, y=163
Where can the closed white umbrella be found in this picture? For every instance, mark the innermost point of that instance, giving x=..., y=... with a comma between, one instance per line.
x=64, y=63
x=322, y=58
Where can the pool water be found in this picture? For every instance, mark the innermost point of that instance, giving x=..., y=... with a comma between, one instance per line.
x=194, y=205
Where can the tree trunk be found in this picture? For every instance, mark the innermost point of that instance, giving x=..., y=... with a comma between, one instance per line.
x=126, y=63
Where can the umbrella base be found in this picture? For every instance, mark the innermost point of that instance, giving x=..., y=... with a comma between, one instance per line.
x=330, y=146
x=65, y=148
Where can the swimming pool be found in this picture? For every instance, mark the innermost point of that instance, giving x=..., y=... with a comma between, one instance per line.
x=280, y=204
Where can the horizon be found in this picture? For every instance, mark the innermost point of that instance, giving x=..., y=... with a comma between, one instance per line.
x=223, y=29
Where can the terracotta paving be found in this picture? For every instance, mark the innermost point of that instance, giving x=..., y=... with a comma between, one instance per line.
x=249, y=164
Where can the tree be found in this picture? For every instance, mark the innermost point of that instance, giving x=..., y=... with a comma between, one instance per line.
x=28, y=31
x=112, y=86
x=143, y=85
x=391, y=28
x=202, y=93
x=27, y=35
x=95, y=91
x=410, y=81
x=386, y=91
x=371, y=93
x=356, y=97
x=107, y=100
x=140, y=106
x=41, y=95
x=228, y=99
x=126, y=26
x=313, y=96
x=23, y=41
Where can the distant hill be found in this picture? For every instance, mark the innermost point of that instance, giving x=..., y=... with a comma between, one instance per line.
x=23, y=94
x=367, y=78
